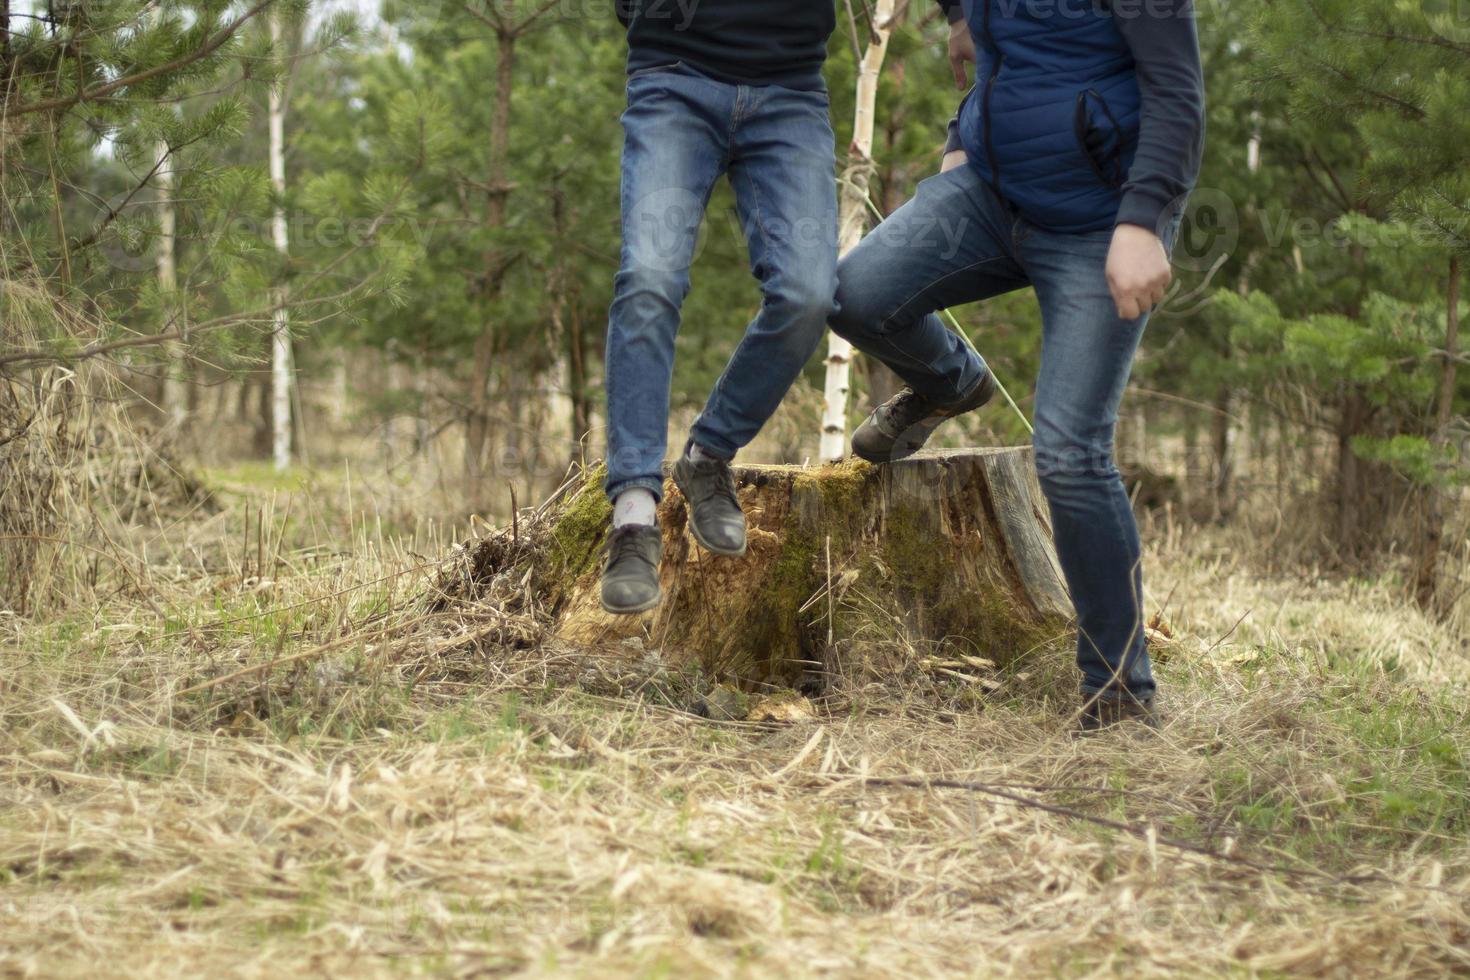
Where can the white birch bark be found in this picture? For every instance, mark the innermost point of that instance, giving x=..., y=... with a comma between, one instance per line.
x=175, y=385
x=280, y=332
x=852, y=216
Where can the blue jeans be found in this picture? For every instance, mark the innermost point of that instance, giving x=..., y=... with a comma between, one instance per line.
x=957, y=242
x=682, y=130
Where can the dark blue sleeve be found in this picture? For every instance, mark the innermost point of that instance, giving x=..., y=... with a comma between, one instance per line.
x=1171, y=132
x=954, y=12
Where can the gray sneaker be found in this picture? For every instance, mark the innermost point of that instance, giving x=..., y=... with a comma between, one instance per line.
x=900, y=426
x=715, y=517
x=630, y=574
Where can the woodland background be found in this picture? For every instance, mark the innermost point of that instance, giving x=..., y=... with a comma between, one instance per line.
x=299, y=298
x=450, y=229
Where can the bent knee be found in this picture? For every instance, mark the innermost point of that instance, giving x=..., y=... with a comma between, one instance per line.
x=810, y=302
x=1068, y=466
x=856, y=311
x=634, y=279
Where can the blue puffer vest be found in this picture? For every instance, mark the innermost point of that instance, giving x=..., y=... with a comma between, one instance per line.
x=1052, y=123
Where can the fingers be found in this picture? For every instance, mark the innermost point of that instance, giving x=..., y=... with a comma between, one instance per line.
x=1138, y=271
x=961, y=76
x=1134, y=302
x=961, y=53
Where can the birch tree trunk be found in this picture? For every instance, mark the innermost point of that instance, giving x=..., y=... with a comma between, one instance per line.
x=175, y=384
x=280, y=333
x=175, y=379
x=852, y=216
x=1426, y=577
x=1230, y=432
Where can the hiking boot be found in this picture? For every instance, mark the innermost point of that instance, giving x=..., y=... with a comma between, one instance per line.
x=715, y=517
x=630, y=575
x=1105, y=712
x=900, y=426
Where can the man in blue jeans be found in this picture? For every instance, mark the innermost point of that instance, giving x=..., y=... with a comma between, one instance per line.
x=721, y=87
x=1075, y=153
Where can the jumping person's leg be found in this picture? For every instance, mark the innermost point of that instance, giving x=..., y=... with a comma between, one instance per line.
x=952, y=243
x=781, y=167
x=673, y=152
x=1087, y=353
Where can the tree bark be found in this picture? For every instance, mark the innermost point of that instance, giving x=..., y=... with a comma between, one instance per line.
x=176, y=394
x=1189, y=485
x=852, y=217
x=946, y=549
x=496, y=264
x=280, y=333
x=1426, y=577
x=1350, y=421
x=1223, y=439
x=577, y=386
x=883, y=384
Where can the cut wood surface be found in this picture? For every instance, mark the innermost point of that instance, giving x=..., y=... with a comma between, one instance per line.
x=948, y=548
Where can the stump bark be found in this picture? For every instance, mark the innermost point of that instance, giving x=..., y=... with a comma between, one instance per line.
x=946, y=548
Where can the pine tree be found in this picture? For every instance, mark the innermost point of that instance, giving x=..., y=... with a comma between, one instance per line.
x=1396, y=78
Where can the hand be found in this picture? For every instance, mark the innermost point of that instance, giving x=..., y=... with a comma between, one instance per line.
x=961, y=50
x=952, y=159
x=1138, y=271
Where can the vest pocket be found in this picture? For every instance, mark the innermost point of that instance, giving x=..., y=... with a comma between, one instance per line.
x=1099, y=137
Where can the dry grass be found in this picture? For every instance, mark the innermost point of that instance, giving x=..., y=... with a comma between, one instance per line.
x=1208, y=584
x=448, y=792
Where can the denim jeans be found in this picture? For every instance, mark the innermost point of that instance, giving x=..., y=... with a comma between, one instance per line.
x=956, y=242
x=682, y=131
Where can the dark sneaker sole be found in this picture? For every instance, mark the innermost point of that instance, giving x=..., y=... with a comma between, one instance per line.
x=906, y=445
x=900, y=450
x=699, y=538
x=633, y=610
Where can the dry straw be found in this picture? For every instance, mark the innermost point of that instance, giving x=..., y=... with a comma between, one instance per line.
x=306, y=770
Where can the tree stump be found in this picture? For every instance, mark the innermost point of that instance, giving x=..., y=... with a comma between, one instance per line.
x=945, y=548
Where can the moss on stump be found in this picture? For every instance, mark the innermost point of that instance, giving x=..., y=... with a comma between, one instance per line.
x=951, y=547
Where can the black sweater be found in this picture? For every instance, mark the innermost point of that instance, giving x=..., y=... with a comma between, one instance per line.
x=755, y=42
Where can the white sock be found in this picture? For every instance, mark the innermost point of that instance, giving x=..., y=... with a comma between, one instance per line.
x=699, y=455
x=635, y=506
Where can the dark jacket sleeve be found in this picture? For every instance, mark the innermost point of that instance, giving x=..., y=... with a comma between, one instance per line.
x=1165, y=44
x=953, y=10
x=624, y=10
x=952, y=137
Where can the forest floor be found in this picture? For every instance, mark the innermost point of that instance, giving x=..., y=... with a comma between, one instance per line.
x=370, y=788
